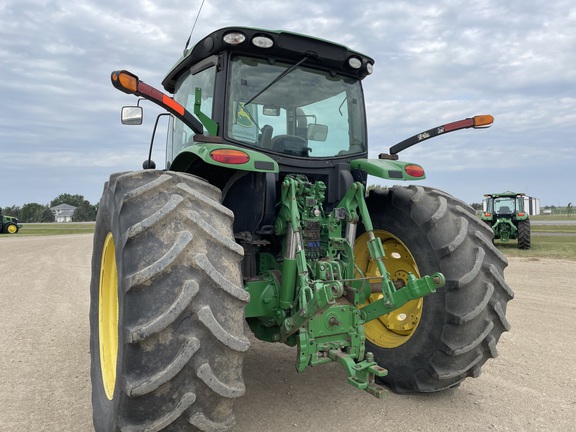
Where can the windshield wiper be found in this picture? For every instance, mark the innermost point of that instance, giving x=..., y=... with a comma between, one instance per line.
x=275, y=80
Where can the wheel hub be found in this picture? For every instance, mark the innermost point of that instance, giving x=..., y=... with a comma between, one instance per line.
x=393, y=329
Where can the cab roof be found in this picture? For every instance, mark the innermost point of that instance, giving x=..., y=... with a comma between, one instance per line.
x=286, y=46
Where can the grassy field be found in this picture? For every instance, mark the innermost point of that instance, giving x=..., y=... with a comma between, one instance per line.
x=552, y=228
x=543, y=246
x=536, y=219
x=42, y=229
x=548, y=241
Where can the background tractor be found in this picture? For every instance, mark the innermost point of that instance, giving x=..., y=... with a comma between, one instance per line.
x=506, y=215
x=9, y=224
x=261, y=221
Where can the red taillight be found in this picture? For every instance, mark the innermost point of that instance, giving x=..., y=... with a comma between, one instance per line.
x=521, y=214
x=414, y=170
x=229, y=156
x=487, y=214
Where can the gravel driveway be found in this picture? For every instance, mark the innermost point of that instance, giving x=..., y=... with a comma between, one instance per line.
x=44, y=359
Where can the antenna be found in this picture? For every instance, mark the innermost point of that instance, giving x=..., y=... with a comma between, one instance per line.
x=193, y=26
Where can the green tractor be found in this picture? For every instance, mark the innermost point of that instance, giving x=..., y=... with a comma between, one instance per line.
x=506, y=215
x=9, y=224
x=261, y=222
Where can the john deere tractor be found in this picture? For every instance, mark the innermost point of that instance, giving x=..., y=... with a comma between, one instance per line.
x=505, y=214
x=261, y=222
x=9, y=224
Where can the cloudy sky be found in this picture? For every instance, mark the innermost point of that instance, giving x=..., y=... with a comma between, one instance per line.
x=436, y=62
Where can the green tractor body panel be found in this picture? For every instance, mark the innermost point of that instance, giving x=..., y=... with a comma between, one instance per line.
x=506, y=215
x=276, y=121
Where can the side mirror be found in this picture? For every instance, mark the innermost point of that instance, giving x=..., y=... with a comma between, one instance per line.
x=317, y=132
x=132, y=115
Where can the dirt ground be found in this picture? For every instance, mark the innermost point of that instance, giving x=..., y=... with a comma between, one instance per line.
x=44, y=359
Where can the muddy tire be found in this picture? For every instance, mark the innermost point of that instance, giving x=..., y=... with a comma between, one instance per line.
x=450, y=334
x=167, y=306
x=524, y=234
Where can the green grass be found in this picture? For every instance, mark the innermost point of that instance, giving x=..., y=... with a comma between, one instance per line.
x=552, y=228
x=543, y=246
x=535, y=219
x=43, y=229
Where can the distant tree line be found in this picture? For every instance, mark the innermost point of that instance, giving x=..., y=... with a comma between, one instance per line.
x=34, y=212
x=476, y=206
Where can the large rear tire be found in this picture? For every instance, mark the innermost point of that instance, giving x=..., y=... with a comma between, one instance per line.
x=436, y=342
x=524, y=234
x=167, y=306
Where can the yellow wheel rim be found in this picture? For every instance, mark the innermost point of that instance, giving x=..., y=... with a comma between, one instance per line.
x=108, y=316
x=12, y=229
x=396, y=328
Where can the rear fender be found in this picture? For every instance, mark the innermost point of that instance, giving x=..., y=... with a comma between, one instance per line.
x=390, y=169
x=196, y=159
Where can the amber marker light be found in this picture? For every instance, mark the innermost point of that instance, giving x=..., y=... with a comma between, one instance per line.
x=487, y=214
x=521, y=214
x=483, y=121
x=125, y=81
x=414, y=170
x=229, y=156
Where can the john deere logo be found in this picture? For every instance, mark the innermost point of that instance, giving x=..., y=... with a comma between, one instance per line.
x=242, y=117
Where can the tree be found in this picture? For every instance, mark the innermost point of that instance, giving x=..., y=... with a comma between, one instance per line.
x=85, y=212
x=65, y=198
x=476, y=206
x=32, y=212
x=47, y=216
x=13, y=211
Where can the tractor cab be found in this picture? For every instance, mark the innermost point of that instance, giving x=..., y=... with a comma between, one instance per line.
x=506, y=205
x=280, y=93
x=277, y=108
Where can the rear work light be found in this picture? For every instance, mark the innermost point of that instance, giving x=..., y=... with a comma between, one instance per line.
x=262, y=42
x=414, y=170
x=355, y=62
x=235, y=38
x=230, y=156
